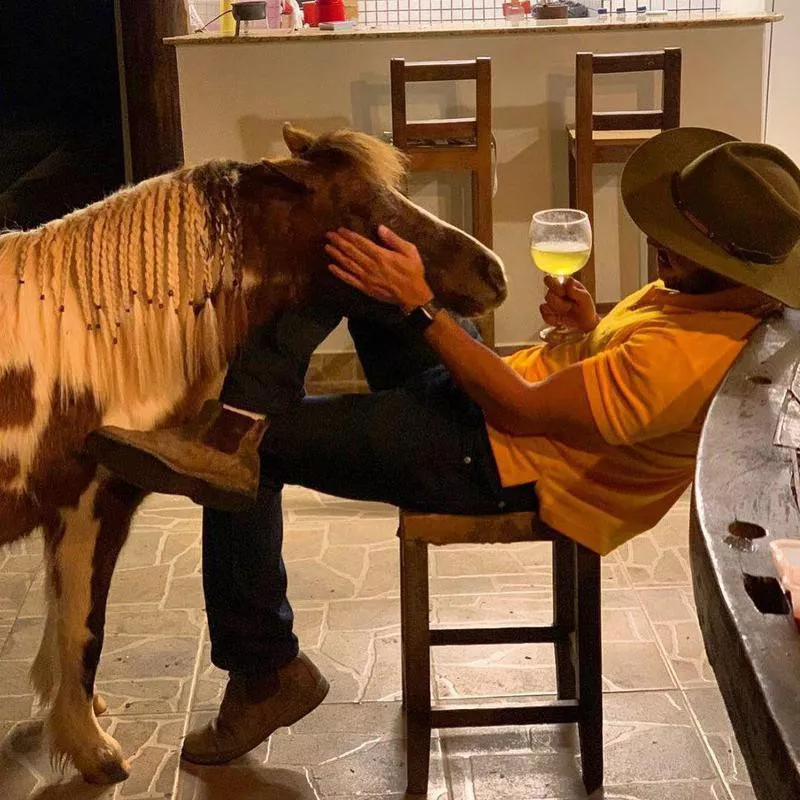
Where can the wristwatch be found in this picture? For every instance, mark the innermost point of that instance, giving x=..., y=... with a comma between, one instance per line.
x=419, y=318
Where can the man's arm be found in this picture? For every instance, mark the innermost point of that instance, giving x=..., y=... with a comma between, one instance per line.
x=557, y=407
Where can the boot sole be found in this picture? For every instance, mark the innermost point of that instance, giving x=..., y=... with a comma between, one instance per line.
x=291, y=715
x=131, y=463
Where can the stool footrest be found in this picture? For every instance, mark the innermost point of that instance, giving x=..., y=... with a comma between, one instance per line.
x=458, y=636
x=479, y=716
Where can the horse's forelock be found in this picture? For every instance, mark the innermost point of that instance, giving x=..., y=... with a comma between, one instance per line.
x=376, y=161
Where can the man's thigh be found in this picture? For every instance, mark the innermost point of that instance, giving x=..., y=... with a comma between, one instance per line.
x=419, y=446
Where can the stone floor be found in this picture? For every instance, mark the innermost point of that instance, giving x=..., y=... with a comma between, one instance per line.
x=667, y=735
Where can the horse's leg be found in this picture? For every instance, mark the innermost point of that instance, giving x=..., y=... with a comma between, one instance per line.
x=84, y=560
x=45, y=670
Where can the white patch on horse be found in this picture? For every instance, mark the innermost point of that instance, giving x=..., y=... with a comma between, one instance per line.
x=46, y=672
x=74, y=731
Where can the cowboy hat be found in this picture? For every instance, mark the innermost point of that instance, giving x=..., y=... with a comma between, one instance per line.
x=731, y=206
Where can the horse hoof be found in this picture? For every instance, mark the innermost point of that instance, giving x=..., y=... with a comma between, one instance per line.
x=109, y=772
x=99, y=705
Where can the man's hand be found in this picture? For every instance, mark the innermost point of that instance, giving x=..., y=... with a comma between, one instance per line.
x=570, y=304
x=394, y=274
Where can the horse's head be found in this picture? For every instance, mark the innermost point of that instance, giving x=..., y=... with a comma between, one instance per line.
x=351, y=179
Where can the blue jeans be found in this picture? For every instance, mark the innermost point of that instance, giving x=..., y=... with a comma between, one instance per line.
x=417, y=441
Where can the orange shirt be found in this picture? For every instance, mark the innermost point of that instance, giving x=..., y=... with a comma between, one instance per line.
x=650, y=368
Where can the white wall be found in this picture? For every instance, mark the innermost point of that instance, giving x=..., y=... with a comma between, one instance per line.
x=783, y=99
x=235, y=97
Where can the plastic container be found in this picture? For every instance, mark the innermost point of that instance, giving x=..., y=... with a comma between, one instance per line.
x=274, y=8
x=331, y=10
x=786, y=556
x=311, y=14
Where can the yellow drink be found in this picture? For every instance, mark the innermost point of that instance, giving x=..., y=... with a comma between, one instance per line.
x=560, y=258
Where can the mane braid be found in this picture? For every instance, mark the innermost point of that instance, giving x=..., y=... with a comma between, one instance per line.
x=124, y=258
x=45, y=247
x=97, y=258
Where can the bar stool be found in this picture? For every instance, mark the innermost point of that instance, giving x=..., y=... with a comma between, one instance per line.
x=451, y=144
x=575, y=634
x=599, y=137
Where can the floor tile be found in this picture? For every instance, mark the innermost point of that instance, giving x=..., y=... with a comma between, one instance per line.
x=16, y=695
x=672, y=613
x=149, y=660
x=244, y=780
x=660, y=556
x=712, y=718
x=13, y=588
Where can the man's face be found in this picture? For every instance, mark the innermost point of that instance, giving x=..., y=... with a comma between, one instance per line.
x=682, y=275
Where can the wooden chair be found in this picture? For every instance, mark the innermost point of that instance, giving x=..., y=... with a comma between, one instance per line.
x=601, y=137
x=451, y=144
x=575, y=634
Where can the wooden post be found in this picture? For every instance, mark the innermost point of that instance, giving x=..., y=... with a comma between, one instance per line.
x=149, y=84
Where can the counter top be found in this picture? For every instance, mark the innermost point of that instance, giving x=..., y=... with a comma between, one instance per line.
x=746, y=496
x=615, y=22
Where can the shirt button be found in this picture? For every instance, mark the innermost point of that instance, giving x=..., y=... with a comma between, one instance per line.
x=467, y=459
x=501, y=504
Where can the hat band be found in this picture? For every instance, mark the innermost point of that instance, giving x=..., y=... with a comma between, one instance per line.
x=733, y=249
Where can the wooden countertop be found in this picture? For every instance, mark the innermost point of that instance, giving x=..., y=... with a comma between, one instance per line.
x=592, y=24
x=746, y=495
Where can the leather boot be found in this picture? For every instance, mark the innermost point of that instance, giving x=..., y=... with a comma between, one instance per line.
x=253, y=708
x=213, y=460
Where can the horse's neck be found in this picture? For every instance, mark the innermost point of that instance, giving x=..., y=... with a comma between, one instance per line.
x=127, y=295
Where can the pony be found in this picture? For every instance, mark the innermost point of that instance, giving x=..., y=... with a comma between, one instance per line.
x=127, y=312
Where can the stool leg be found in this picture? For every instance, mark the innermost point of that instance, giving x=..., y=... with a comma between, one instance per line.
x=564, y=615
x=590, y=670
x=403, y=623
x=417, y=665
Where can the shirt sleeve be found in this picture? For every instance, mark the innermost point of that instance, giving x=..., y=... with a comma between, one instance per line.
x=657, y=382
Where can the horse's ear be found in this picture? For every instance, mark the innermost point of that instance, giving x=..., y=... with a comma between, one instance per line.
x=298, y=141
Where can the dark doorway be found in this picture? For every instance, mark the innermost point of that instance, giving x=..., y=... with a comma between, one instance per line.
x=61, y=142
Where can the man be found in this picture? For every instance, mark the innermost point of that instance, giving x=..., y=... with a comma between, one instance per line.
x=600, y=435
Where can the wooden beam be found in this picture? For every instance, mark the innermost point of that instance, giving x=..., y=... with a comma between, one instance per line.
x=149, y=80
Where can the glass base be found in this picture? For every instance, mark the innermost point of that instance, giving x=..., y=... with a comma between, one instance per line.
x=554, y=336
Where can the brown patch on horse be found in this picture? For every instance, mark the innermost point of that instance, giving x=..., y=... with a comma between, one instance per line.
x=19, y=516
x=17, y=404
x=61, y=471
x=114, y=506
x=9, y=468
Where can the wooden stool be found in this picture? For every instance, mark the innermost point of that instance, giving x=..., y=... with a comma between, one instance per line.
x=600, y=137
x=575, y=633
x=451, y=144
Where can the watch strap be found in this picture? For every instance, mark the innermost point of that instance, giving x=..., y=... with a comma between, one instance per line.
x=422, y=316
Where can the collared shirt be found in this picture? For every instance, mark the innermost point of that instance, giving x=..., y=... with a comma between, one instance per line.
x=650, y=368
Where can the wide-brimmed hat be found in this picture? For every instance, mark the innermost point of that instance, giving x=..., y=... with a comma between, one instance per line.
x=732, y=206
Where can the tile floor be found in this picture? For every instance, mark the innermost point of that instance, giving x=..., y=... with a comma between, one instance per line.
x=667, y=735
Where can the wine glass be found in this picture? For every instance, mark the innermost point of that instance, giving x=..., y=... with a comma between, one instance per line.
x=561, y=242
